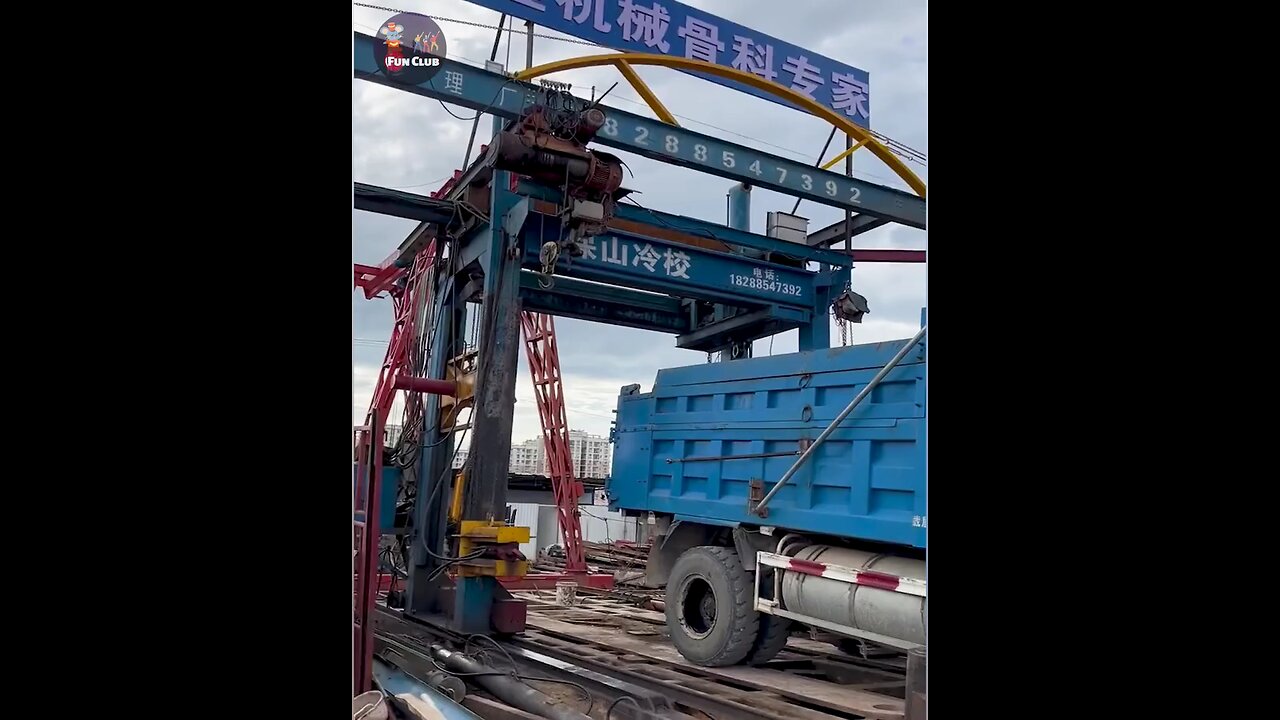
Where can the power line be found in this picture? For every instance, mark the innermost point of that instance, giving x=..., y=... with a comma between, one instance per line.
x=425, y=184
x=575, y=41
x=570, y=411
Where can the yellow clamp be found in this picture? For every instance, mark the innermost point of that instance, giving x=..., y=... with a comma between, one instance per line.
x=475, y=534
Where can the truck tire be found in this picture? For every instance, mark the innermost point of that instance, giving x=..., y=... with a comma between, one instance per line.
x=772, y=637
x=710, y=611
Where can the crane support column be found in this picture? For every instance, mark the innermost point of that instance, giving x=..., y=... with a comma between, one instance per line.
x=740, y=207
x=423, y=590
x=739, y=218
x=484, y=505
x=486, y=498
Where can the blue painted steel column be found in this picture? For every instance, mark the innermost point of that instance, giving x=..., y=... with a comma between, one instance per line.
x=422, y=597
x=817, y=334
x=739, y=197
x=740, y=207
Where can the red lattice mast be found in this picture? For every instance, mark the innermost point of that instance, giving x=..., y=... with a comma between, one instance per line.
x=544, y=366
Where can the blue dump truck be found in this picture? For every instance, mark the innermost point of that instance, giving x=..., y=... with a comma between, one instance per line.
x=782, y=490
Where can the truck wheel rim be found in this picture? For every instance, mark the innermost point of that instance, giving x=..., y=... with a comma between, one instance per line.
x=697, y=607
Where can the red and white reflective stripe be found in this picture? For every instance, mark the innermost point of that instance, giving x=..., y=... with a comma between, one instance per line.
x=870, y=578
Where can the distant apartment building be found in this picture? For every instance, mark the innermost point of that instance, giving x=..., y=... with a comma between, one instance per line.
x=528, y=458
x=592, y=456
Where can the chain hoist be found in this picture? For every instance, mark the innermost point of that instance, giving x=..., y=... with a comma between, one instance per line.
x=848, y=307
x=548, y=256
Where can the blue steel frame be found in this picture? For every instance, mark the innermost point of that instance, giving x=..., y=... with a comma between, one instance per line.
x=637, y=261
x=757, y=297
x=650, y=281
x=505, y=97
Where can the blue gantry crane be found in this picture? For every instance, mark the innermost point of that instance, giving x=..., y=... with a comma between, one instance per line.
x=541, y=221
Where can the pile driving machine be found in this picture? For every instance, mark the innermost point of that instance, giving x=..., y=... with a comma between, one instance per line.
x=540, y=222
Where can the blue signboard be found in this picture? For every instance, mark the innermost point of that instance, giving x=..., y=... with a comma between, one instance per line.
x=671, y=28
x=676, y=269
x=505, y=97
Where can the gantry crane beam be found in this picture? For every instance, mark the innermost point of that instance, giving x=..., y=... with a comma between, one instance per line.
x=501, y=96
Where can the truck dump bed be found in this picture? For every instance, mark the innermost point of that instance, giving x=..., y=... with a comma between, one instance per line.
x=711, y=437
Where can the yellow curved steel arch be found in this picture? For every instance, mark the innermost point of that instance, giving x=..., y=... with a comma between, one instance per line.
x=622, y=59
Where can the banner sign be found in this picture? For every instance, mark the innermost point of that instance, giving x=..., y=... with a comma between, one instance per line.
x=671, y=28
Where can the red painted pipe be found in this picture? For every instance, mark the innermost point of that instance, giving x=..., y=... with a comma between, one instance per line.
x=904, y=256
x=426, y=385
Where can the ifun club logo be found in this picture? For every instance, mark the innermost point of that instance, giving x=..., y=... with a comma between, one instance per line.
x=412, y=48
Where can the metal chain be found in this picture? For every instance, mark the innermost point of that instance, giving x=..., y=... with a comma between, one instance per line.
x=549, y=254
x=844, y=324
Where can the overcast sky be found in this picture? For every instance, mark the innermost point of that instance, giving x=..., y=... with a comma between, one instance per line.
x=412, y=143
